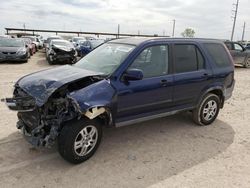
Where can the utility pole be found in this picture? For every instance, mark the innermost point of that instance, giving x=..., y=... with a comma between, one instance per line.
x=139, y=32
x=243, y=33
x=118, y=31
x=173, y=28
x=234, y=17
x=24, y=27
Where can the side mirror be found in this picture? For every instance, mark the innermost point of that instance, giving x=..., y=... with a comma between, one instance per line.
x=70, y=40
x=26, y=45
x=133, y=74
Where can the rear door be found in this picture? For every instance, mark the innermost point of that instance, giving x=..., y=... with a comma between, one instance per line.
x=191, y=74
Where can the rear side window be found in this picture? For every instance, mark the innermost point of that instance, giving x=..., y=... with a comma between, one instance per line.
x=188, y=58
x=219, y=54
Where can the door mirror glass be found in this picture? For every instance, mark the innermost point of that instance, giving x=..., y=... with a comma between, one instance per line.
x=133, y=74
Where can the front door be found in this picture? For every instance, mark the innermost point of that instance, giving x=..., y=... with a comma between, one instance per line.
x=153, y=92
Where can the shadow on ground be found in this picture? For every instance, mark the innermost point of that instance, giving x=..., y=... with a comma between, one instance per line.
x=133, y=156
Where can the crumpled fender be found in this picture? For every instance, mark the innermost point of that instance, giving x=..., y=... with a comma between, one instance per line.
x=94, y=99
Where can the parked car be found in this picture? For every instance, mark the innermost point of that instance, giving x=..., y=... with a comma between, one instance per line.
x=122, y=82
x=84, y=47
x=34, y=41
x=61, y=51
x=5, y=36
x=247, y=47
x=13, y=50
x=47, y=41
x=239, y=53
x=74, y=40
x=30, y=45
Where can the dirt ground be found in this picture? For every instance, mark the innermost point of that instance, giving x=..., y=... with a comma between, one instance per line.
x=166, y=152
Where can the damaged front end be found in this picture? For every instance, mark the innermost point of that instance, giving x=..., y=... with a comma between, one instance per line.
x=41, y=125
x=63, y=54
x=44, y=105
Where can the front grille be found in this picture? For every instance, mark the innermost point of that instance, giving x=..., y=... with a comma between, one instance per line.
x=9, y=53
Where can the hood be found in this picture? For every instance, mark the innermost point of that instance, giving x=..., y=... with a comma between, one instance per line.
x=64, y=48
x=10, y=49
x=41, y=85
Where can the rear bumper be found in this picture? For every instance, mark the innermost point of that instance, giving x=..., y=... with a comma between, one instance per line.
x=229, y=91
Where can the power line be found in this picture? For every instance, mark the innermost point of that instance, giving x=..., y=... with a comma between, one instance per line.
x=234, y=17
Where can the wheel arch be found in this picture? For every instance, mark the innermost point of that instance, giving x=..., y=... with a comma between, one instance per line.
x=214, y=90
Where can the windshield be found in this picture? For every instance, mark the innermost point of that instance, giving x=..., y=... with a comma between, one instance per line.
x=52, y=38
x=62, y=43
x=11, y=43
x=106, y=58
x=96, y=43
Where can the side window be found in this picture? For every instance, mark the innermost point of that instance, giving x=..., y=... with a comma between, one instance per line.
x=237, y=47
x=218, y=53
x=153, y=61
x=188, y=58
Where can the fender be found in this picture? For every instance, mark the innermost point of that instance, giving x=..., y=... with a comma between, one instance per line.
x=95, y=99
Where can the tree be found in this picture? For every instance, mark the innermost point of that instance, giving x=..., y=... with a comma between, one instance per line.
x=188, y=33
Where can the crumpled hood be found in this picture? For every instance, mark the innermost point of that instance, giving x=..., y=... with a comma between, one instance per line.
x=41, y=85
x=64, y=48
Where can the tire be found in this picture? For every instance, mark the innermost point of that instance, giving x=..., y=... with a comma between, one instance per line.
x=74, y=132
x=49, y=60
x=247, y=63
x=207, y=110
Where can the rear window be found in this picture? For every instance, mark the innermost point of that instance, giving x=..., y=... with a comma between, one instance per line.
x=219, y=54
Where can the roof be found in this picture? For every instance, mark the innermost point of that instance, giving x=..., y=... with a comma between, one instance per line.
x=60, y=40
x=138, y=40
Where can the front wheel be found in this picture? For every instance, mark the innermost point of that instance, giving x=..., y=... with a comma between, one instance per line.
x=207, y=110
x=79, y=139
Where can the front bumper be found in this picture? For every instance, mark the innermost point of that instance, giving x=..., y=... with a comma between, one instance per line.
x=14, y=57
x=63, y=58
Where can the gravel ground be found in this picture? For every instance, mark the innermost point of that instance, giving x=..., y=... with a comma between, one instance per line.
x=166, y=152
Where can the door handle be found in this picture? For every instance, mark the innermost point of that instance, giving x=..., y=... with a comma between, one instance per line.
x=164, y=83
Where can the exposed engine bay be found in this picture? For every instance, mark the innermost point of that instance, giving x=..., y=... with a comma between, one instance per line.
x=42, y=124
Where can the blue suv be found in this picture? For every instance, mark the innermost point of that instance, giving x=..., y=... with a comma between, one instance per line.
x=122, y=82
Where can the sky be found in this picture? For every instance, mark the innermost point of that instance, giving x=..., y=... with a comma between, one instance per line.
x=208, y=18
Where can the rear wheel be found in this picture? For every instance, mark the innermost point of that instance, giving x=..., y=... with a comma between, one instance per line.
x=79, y=140
x=207, y=110
x=247, y=63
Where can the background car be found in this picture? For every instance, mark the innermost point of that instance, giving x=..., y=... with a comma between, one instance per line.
x=61, y=51
x=87, y=46
x=5, y=36
x=34, y=41
x=74, y=40
x=48, y=40
x=13, y=50
x=239, y=53
x=30, y=45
